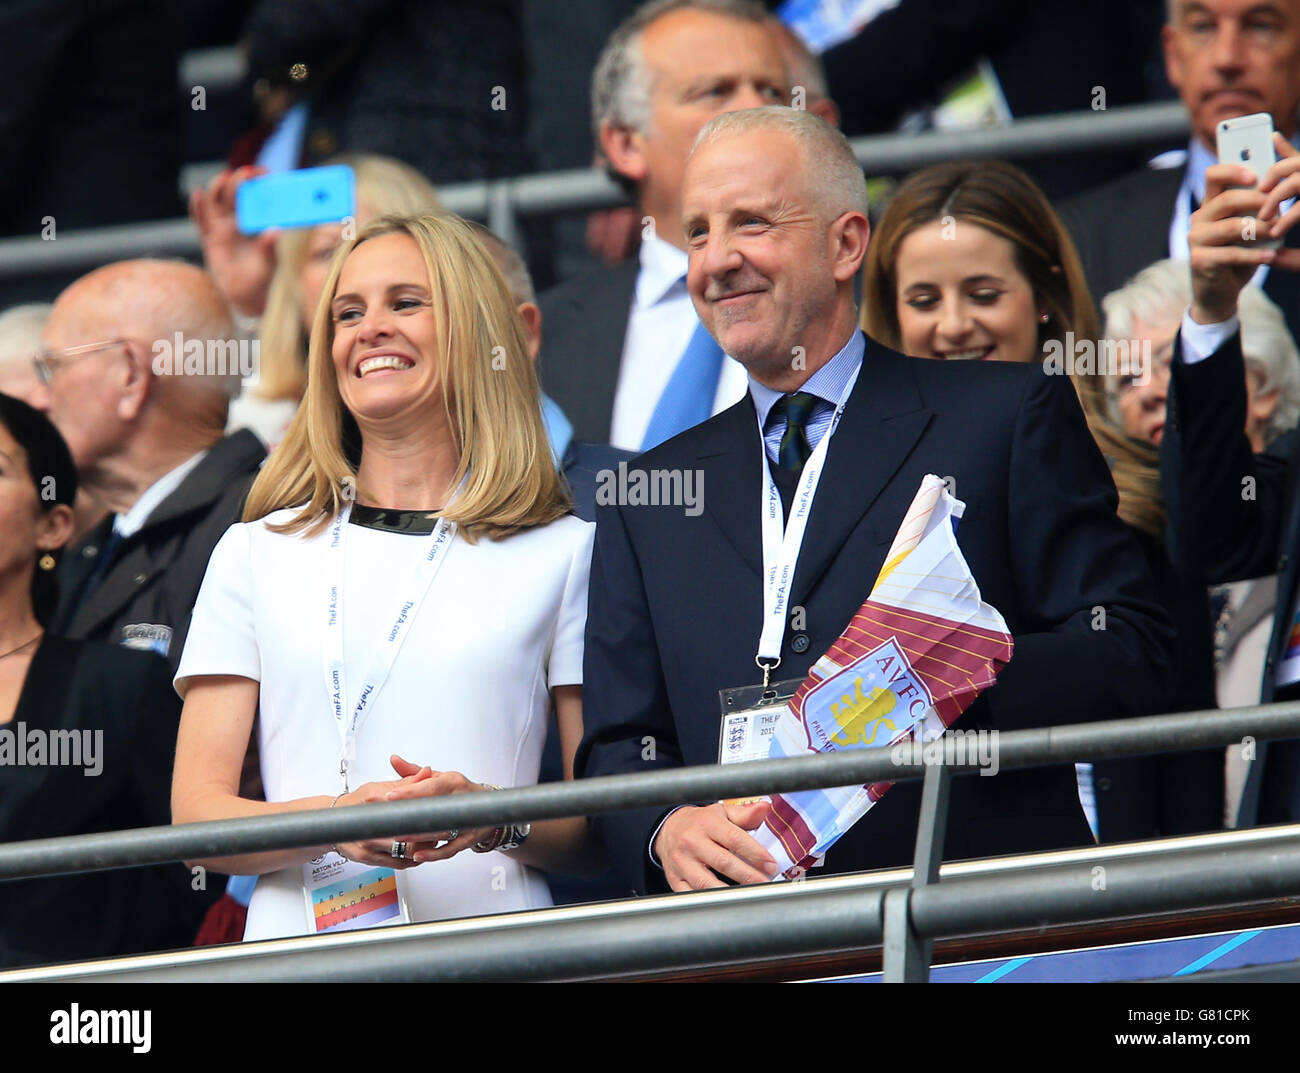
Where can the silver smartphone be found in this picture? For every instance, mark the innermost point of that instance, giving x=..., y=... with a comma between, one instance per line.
x=1247, y=141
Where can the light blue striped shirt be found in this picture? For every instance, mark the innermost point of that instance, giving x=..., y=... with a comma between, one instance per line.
x=827, y=383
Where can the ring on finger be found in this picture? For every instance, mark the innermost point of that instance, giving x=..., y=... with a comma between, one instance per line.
x=399, y=851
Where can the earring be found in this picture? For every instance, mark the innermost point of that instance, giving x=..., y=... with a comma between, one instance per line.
x=46, y=561
x=1043, y=318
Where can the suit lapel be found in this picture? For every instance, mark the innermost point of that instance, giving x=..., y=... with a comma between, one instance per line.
x=75, y=572
x=608, y=319
x=145, y=555
x=732, y=458
x=882, y=422
x=132, y=572
x=1149, y=220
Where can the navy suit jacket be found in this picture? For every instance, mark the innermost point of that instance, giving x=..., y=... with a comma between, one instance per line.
x=1122, y=226
x=1218, y=533
x=582, y=346
x=676, y=601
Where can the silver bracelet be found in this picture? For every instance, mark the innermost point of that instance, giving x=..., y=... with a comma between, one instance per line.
x=509, y=836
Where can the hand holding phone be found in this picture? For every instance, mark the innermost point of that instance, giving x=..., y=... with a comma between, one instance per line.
x=1247, y=142
x=302, y=198
x=240, y=264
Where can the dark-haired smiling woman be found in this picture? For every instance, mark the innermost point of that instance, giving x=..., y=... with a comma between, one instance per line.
x=403, y=607
x=86, y=733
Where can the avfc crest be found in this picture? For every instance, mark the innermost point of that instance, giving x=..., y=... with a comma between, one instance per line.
x=870, y=702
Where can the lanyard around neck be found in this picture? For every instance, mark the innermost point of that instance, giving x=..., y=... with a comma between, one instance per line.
x=387, y=645
x=781, y=547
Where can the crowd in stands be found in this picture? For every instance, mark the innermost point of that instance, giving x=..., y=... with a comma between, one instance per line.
x=398, y=560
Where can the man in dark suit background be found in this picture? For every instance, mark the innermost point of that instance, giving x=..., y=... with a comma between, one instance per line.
x=580, y=462
x=774, y=209
x=146, y=432
x=1233, y=514
x=1226, y=58
x=620, y=340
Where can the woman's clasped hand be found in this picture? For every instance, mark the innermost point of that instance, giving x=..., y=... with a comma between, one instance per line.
x=414, y=782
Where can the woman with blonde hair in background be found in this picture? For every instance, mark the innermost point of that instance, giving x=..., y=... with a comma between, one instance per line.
x=970, y=262
x=274, y=279
x=406, y=598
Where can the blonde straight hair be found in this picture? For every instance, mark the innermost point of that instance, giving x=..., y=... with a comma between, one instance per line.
x=490, y=396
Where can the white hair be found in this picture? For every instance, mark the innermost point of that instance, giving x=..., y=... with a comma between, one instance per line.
x=1162, y=291
x=20, y=331
x=620, y=85
x=833, y=171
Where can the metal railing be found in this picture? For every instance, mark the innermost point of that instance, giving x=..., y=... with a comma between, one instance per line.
x=907, y=915
x=1021, y=748
x=502, y=203
x=709, y=929
x=680, y=933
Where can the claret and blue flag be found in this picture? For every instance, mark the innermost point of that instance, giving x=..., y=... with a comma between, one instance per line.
x=914, y=657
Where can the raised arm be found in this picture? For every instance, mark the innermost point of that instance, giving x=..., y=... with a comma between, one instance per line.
x=1094, y=643
x=1224, y=503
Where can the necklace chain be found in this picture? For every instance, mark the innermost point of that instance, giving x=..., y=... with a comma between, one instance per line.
x=21, y=646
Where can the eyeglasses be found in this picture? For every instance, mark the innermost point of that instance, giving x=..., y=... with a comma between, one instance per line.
x=48, y=362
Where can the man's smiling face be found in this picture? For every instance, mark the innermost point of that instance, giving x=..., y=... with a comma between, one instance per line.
x=760, y=259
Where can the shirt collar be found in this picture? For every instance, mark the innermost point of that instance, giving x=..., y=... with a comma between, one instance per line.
x=663, y=267
x=130, y=523
x=1198, y=159
x=827, y=383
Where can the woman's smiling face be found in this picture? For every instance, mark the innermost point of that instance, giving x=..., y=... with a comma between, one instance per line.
x=961, y=295
x=386, y=341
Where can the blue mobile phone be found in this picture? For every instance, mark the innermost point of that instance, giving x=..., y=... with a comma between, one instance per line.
x=301, y=198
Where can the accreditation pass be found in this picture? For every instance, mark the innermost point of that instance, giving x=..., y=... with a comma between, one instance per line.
x=345, y=895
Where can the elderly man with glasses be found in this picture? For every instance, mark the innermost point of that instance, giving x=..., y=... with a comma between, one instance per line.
x=128, y=378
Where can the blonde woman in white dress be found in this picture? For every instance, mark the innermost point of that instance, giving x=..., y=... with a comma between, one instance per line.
x=404, y=604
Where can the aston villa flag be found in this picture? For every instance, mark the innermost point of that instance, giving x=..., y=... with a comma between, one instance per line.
x=917, y=653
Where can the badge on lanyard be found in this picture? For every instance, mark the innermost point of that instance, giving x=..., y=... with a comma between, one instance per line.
x=345, y=895
x=749, y=716
x=750, y=713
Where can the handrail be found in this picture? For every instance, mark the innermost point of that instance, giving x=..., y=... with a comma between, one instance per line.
x=502, y=202
x=1023, y=748
x=711, y=928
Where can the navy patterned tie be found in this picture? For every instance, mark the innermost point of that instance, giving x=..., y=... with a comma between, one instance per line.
x=794, y=449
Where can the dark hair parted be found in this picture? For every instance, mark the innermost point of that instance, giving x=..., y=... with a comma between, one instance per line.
x=49, y=464
x=1002, y=199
